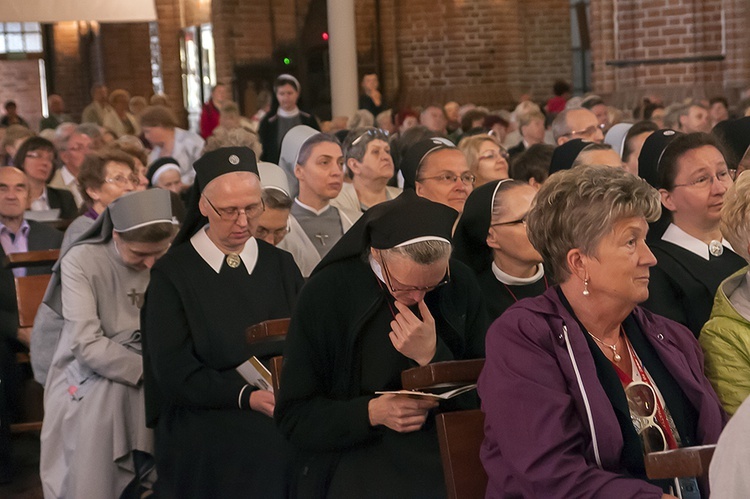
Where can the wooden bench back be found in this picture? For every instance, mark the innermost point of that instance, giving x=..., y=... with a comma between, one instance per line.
x=460, y=435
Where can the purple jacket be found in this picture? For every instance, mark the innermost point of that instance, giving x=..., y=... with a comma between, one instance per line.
x=537, y=384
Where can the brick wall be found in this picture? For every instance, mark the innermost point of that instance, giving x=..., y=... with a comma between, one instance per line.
x=656, y=29
x=479, y=51
x=68, y=77
x=19, y=81
x=127, y=55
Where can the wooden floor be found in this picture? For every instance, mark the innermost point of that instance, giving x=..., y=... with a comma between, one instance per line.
x=26, y=483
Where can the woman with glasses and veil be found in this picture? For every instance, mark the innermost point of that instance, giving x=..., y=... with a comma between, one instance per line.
x=491, y=239
x=692, y=177
x=580, y=382
x=399, y=302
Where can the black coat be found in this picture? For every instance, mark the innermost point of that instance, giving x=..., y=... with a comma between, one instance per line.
x=683, y=285
x=516, y=150
x=322, y=407
x=63, y=200
x=269, y=128
x=193, y=324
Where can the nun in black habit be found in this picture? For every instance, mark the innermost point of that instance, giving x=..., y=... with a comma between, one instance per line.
x=491, y=239
x=214, y=434
x=344, y=344
x=690, y=171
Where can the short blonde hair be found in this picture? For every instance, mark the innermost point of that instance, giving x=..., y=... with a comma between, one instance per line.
x=470, y=147
x=735, y=215
x=576, y=208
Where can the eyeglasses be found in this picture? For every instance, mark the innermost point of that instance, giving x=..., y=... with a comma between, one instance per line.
x=450, y=178
x=513, y=222
x=233, y=214
x=389, y=282
x=642, y=403
x=493, y=155
x=79, y=148
x=705, y=181
x=262, y=232
x=40, y=155
x=588, y=131
x=123, y=181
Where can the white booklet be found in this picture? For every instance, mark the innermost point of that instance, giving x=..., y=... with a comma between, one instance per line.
x=256, y=374
x=426, y=395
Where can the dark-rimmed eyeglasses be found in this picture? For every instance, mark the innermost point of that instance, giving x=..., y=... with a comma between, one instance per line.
x=642, y=403
x=387, y=275
x=233, y=214
x=450, y=178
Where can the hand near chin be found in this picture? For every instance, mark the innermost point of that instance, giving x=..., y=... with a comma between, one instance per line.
x=414, y=338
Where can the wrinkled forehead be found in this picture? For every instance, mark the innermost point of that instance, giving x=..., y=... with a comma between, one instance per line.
x=10, y=175
x=239, y=183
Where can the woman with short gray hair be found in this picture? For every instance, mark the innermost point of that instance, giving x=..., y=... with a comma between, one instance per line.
x=368, y=160
x=726, y=336
x=617, y=380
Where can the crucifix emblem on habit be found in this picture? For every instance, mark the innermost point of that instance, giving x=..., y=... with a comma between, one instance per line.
x=136, y=298
x=322, y=238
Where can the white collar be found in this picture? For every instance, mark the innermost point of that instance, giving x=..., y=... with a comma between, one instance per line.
x=517, y=281
x=679, y=237
x=67, y=177
x=288, y=114
x=311, y=209
x=214, y=257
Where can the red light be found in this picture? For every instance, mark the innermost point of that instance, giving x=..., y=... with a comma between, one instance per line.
x=325, y=36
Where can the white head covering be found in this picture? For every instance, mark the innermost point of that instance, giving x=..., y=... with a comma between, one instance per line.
x=616, y=137
x=290, y=147
x=273, y=177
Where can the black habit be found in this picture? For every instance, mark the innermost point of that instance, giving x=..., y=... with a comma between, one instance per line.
x=682, y=285
x=337, y=354
x=194, y=322
x=499, y=296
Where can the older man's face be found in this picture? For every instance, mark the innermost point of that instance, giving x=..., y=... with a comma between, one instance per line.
x=582, y=124
x=78, y=146
x=14, y=192
x=440, y=178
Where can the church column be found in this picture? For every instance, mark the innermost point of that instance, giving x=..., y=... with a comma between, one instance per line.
x=342, y=47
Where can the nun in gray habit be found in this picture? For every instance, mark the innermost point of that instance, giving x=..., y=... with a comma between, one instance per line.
x=94, y=441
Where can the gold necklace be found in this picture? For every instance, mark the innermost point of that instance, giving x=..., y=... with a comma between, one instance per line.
x=616, y=357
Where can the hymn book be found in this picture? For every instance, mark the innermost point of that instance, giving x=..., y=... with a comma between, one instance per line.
x=435, y=396
x=256, y=374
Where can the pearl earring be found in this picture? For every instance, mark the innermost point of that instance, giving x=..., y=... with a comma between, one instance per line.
x=586, y=287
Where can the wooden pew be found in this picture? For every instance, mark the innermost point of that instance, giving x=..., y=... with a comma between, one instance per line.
x=29, y=294
x=460, y=433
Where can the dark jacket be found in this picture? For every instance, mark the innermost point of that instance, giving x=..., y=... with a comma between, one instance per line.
x=63, y=200
x=516, y=149
x=538, y=358
x=268, y=129
x=319, y=408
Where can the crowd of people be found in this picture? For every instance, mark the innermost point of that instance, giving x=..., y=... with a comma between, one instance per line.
x=596, y=257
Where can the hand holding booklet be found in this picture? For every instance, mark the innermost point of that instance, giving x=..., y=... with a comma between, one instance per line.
x=432, y=396
x=256, y=374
